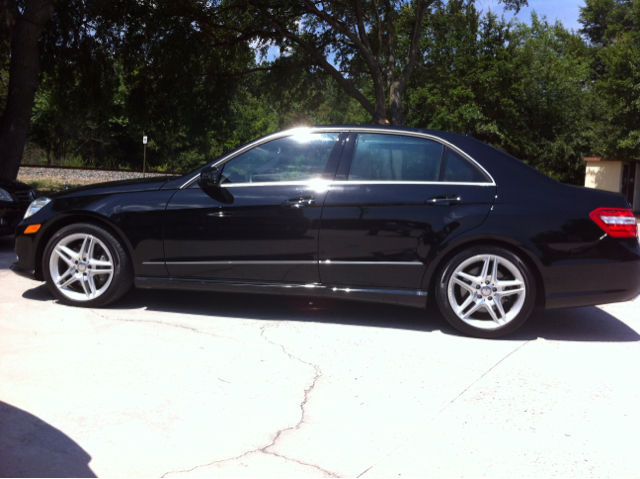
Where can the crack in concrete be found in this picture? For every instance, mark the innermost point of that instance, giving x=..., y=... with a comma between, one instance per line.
x=259, y=450
x=265, y=449
x=162, y=323
x=331, y=474
x=307, y=391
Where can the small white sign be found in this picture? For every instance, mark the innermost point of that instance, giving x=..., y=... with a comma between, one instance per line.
x=144, y=140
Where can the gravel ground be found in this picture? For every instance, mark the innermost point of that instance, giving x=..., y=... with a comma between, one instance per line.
x=77, y=177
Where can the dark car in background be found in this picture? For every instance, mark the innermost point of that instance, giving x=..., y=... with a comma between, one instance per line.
x=15, y=198
x=391, y=215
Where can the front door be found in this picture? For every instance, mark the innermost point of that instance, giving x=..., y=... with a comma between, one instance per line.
x=262, y=222
x=397, y=198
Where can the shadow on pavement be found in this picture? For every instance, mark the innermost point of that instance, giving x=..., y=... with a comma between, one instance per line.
x=7, y=253
x=576, y=324
x=30, y=447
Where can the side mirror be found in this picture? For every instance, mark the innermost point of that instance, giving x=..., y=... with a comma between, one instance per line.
x=210, y=177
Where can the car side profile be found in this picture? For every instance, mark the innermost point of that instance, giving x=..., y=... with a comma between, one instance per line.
x=383, y=214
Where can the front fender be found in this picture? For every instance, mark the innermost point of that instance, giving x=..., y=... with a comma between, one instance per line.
x=136, y=218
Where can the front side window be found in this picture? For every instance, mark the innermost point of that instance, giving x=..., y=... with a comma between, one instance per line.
x=395, y=158
x=300, y=157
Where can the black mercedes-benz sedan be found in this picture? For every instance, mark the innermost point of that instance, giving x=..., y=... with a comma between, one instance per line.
x=392, y=215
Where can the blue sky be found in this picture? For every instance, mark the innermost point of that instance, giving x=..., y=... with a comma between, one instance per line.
x=567, y=11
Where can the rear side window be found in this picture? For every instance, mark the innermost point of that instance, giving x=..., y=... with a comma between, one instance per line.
x=395, y=158
x=457, y=169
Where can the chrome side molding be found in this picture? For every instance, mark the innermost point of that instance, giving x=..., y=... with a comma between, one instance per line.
x=406, y=297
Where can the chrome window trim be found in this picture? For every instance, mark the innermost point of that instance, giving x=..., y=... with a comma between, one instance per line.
x=292, y=132
x=364, y=182
x=315, y=182
x=318, y=182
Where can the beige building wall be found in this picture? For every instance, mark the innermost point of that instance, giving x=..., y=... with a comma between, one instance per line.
x=604, y=175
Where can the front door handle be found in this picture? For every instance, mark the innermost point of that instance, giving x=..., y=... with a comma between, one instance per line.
x=301, y=202
x=443, y=200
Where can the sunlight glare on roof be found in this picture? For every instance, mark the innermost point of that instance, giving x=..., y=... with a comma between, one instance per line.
x=302, y=135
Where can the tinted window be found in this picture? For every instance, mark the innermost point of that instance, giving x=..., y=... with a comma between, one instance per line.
x=395, y=158
x=299, y=157
x=457, y=169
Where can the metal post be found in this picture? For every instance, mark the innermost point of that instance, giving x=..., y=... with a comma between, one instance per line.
x=144, y=157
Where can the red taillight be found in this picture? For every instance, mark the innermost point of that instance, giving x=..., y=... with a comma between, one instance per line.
x=616, y=222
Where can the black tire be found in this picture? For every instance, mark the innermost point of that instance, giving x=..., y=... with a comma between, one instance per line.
x=121, y=278
x=491, y=329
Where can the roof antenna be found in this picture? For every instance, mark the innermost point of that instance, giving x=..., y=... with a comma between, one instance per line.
x=470, y=134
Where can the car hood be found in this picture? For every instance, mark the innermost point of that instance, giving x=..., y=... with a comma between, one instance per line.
x=14, y=185
x=111, y=187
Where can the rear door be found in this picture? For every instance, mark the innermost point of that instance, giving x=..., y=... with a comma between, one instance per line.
x=394, y=199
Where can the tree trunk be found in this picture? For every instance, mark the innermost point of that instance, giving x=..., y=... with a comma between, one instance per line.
x=26, y=29
x=380, y=115
x=395, y=103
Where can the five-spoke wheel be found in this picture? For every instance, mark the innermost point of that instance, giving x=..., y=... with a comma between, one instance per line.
x=486, y=291
x=81, y=267
x=85, y=265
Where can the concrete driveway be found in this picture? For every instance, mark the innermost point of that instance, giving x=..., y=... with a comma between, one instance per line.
x=167, y=384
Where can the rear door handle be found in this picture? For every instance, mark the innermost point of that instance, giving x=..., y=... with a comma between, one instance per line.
x=443, y=200
x=301, y=202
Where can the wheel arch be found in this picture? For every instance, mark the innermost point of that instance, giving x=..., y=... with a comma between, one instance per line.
x=435, y=269
x=59, y=222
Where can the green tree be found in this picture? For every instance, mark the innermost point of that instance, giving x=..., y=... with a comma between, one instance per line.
x=369, y=47
x=613, y=27
x=310, y=96
x=557, y=109
x=138, y=69
x=25, y=20
x=468, y=80
x=524, y=89
x=113, y=70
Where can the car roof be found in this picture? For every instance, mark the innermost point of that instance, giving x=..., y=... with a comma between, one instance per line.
x=399, y=129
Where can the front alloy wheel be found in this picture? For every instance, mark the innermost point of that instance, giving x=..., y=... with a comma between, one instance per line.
x=486, y=292
x=85, y=265
x=81, y=267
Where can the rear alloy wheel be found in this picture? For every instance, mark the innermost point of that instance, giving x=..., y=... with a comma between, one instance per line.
x=486, y=292
x=85, y=265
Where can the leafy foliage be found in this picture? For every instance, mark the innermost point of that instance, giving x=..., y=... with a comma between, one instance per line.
x=523, y=89
x=613, y=27
x=185, y=74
